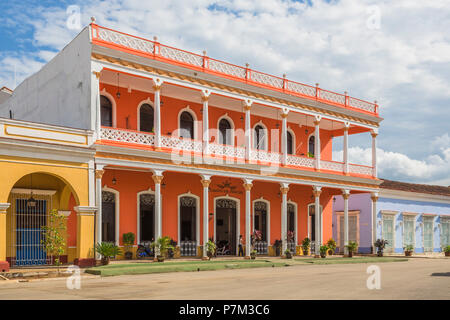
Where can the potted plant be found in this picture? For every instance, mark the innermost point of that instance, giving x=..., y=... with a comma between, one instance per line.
x=210, y=249
x=447, y=251
x=253, y=254
x=128, y=241
x=53, y=239
x=331, y=244
x=107, y=250
x=305, y=246
x=323, y=251
x=351, y=247
x=408, y=250
x=288, y=254
x=162, y=246
x=380, y=244
x=277, y=247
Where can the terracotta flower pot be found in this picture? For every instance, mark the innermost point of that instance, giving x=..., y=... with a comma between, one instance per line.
x=447, y=254
x=160, y=258
x=408, y=253
x=105, y=261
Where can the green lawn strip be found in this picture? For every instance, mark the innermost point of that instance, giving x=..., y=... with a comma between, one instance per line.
x=137, y=268
x=349, y=260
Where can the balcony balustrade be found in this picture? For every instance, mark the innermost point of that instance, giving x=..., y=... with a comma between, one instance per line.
x=177, y=144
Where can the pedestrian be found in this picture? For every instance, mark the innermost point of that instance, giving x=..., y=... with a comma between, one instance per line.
x=241, y=246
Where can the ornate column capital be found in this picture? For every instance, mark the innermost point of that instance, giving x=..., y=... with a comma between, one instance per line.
x=284, y=190
x=284, y=113
x=157, y=179
x=205, y=94
x=97, y=74
x=345, y=194
x=99, y=173
x=247, y=103
x=4, y=207
x=317, y=120
x=157, y=83
x=205, y=183
x=247, y=186
x=374, y=197
x=317, y=191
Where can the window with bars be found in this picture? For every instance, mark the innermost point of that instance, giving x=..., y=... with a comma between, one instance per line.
x=445, y=232
x=428, y=234
x=408, y=230
x=388, y=232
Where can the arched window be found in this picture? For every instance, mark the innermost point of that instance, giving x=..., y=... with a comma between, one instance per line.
x=290, y=143
x=260, y=137
x=311, y=144
x=106, y=111
x=146, y=118
x=225, y=132
x=108, y=217
x=186, y=125
x=147, y=216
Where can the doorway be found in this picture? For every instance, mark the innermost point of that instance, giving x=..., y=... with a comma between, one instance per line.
x=226, y=226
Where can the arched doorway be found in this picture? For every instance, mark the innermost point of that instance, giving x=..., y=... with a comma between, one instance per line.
x=31, y=199
x=260, y=223
x=188, y=224
x=226, y=226
x=146, y=217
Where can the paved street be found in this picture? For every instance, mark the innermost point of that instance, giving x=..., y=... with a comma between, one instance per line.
x=416, y=279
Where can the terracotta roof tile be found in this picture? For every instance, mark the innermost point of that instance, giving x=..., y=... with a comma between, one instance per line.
x=412, y=187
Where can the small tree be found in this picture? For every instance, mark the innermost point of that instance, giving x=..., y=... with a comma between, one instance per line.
x=53, y=241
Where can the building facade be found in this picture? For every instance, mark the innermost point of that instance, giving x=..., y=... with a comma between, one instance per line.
x=196, y=148
x=406, y=214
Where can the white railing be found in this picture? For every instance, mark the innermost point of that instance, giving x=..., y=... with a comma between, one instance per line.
x=127, y=136
x=226, y=151
x=184, y=144
x=156, y=50
x=331, y=165
x=300, y=161
x=265, y=156
x=359, y=169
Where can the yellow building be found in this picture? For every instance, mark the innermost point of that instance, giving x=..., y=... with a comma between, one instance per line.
x=44, y=167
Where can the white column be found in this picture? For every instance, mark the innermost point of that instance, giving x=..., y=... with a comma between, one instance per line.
x=284, y=136
x=284, y=191
x=316, y=192
x=345, y=160
x=374, y=197
x=157, y=178
x=248, y=130
x=345, y=195
x=317, y=142
x=205, y=183
x=98, y=196
x=205, y=97
x=95, y=99
x=157, y=82
x=248, y=201
x=374, y=153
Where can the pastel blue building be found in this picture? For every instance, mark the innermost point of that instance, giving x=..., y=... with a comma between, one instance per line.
x=406, y=214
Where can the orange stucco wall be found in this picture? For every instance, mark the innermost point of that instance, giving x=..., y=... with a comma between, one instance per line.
x=130, y=183
x=128, y=103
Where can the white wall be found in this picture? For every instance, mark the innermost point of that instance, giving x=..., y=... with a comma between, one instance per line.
x=59, y=93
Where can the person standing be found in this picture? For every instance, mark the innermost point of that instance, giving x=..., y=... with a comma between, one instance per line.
x=241, y=246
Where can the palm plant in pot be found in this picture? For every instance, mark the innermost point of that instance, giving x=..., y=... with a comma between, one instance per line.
x=288, y=254
x=323, y=250
x=351, y=247
x=380, y=244
x=331, y=244
x=210, y=249
x=447, y=251
x=107, y=250
x=305, y=246
x=128, y=241
x=162, y=246
x=253, y=254
x=408, y=250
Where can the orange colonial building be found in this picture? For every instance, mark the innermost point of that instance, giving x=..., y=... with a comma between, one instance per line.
x=196, y=148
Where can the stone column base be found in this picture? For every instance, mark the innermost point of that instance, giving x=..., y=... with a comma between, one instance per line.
x=4, y=266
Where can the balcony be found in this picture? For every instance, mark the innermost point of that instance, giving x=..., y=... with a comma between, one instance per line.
x=154, y=50
x=136, y=139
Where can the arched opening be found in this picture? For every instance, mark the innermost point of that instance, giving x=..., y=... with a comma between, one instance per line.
x=31, y=199
x=291, y=226
x=226, y=226
x=260, y=223
x=260, y=137
x=290, y=143
x=146, y=217
x=225, y=132
x=188, y=209
x=311, y=145
x=146, y=118
x=186, y=125
x=312, y=224
x=106, y=111
x=109, y=208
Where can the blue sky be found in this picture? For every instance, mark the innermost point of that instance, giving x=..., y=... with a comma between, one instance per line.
x=395, y=52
